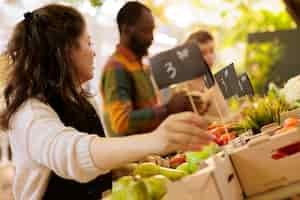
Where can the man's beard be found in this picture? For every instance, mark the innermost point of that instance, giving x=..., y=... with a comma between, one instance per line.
x=139, y=48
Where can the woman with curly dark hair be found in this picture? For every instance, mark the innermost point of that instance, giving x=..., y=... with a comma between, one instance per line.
x=53, y=125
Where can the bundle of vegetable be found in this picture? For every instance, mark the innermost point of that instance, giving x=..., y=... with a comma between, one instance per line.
x=263, y=111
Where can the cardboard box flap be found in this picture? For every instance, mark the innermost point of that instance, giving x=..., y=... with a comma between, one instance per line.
x=259, y=170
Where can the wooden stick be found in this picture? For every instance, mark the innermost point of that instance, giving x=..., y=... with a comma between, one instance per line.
x=218, y=108
x=220, y=114
x=191, y=99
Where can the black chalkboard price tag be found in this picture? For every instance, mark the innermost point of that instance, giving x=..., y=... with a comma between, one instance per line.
x=245, y=86
x=228, y=81
x=180, y=64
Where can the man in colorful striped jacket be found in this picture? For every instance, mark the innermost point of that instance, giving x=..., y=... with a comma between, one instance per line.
x=130, y=102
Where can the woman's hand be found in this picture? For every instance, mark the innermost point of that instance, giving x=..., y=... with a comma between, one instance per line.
x=183, y=131
x=179, y=132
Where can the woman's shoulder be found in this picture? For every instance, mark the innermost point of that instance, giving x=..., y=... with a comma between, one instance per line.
x=31, y=109
x=35, y=105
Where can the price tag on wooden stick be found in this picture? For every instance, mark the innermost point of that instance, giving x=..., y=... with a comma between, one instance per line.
x=180, y=64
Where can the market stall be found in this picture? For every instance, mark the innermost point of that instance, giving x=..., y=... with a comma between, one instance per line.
x=255, y=152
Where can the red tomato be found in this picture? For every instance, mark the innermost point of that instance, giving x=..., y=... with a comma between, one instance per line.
x=218, y=141
x=290, y=122
x=218, y=131
x=225, y=138
x=177, y=160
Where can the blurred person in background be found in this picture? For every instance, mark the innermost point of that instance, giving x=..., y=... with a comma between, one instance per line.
x=130, y=102
x=58, y=143
x=212, y=97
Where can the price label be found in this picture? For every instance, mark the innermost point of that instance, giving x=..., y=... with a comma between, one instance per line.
x=228, y=81
x=180, y=64
x=245, y=86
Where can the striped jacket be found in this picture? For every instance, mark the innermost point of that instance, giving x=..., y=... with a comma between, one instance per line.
x=130, y=103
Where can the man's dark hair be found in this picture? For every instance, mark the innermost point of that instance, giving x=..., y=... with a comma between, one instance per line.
x=130, y=13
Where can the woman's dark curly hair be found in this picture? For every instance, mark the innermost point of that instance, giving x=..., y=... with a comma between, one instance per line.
x=40, y=59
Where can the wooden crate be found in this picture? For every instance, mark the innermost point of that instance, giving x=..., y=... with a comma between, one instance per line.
x=257, y=168
x=217, y=181
x=292, y=113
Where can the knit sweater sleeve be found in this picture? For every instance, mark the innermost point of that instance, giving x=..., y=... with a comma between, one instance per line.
x=63, y=150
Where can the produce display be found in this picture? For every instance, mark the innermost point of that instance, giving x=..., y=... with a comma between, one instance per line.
x=137, y=188
x=223, y=133
x=177, y=160
x=149, y=179
x=151, y=169
x=148, y=182
x=194, y=159
x=289, y=123
x=262, y=111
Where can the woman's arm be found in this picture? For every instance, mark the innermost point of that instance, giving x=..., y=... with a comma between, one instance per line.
x=178, y=132
x=82, y=157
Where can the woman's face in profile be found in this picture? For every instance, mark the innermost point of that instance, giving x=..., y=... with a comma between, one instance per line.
x=83, y=57
x=208, y=52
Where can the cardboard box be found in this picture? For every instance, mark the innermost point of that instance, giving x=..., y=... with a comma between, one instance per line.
x=290, y=192
x=217, y=181
x=292, y=113
x=260, y=167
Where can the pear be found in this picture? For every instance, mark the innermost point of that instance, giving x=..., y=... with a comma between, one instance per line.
x=137, y=190
x=184, y=167
x=150, y=169
x=172, y=174
x=147, y=169
x=119, y=189
x=156, y=186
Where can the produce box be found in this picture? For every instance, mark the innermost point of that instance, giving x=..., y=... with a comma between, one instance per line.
x=268, y=162
x=292, y=113
x=217, y=181
x=290, y=192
